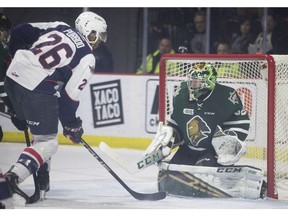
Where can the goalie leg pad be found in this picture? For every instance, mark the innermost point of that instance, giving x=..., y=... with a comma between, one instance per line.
x=187, y=185
x=217, y=182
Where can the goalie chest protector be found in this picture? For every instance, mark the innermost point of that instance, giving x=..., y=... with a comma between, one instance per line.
x=206, y=114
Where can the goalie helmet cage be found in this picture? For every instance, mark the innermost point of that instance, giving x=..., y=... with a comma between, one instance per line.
x=262, y=83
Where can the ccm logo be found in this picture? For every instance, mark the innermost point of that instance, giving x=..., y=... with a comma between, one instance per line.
x=32, y=123
x=229, y=170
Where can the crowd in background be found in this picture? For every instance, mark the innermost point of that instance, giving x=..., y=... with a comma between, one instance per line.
x=230, y=30
x=238, y=28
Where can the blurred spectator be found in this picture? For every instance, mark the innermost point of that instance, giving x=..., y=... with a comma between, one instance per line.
x=246, y=37
x=153, y=60
x=199, y=38
x=257, y=46
x=104, y=60
x=198, y=41
x=223, y=48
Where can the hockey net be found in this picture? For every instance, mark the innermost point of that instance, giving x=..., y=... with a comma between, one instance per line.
x=262, y=83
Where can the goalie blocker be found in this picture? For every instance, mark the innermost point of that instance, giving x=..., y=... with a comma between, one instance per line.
x=211, y=182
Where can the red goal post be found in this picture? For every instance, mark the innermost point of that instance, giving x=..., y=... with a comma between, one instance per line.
x=262, y=83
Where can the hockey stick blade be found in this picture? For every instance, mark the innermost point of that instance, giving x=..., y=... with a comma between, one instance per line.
x=136, y=195
x=116, y=157
x=135, y=166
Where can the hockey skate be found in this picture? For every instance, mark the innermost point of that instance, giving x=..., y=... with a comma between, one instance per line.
x=44, y=180
x=12, y=180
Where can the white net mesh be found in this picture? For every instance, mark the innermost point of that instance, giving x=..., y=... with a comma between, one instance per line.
x=248, y=74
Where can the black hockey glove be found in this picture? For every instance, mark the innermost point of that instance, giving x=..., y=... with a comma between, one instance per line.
x=73, y=130
x=19, y=124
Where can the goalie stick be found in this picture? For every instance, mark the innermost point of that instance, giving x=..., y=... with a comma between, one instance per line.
x=135, y=166
x=136, y=195
x=158, y=149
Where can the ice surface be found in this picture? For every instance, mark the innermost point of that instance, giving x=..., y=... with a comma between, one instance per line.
x=79, y=181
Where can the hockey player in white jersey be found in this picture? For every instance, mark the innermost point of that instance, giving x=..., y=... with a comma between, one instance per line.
x=44, y=83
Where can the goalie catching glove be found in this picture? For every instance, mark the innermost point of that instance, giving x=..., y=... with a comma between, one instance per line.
x=163, y=141
x=228, y=147
x=73, y=130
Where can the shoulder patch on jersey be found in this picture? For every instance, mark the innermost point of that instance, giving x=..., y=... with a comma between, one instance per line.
x=188, y=111
x=233, y=97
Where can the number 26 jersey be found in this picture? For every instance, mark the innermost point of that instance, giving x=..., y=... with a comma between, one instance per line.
x=59, y=54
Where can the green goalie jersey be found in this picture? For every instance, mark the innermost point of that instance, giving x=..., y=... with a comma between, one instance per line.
x=196, y=121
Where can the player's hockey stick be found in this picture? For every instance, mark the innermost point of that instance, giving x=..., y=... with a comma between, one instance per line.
x=36, y=196
x=135, y=166
x=136, y=195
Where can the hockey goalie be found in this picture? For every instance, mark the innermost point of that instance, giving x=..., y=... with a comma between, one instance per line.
x=208, y=126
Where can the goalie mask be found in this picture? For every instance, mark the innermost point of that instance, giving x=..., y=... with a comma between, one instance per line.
x=93, y=27
x=201, y=80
